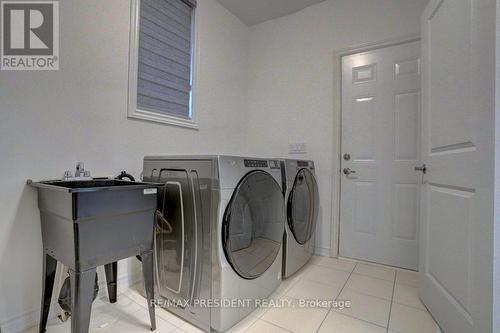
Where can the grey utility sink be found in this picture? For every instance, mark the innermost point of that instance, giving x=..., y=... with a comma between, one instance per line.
x=90, y=223
x=96, y=184
x=86, y=223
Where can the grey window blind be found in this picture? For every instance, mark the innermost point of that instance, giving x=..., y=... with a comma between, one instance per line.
x=164, y=63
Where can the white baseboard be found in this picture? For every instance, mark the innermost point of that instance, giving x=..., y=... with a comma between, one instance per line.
x=29, y=319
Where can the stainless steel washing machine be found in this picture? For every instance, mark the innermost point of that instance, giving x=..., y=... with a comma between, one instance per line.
x=220, y=226
x=302, y=205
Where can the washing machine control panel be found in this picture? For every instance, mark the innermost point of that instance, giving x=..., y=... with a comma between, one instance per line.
x=256, y=164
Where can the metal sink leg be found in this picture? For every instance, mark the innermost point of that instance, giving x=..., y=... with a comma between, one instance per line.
x=147, y=271
x=48, y=277
x=82, y=294
x=111, y=280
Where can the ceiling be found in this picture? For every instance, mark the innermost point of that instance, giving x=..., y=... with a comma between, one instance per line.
x=252, y=12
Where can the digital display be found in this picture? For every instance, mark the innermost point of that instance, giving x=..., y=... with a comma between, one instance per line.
x=255, y=164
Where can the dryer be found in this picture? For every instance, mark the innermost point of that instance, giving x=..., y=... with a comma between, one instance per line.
x=218, y=241
x=302, y=206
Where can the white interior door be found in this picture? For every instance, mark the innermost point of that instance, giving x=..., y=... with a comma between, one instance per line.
x=380, y=148
x=456, y=259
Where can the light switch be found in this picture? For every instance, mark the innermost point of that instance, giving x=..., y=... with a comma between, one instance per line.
x=297, y=148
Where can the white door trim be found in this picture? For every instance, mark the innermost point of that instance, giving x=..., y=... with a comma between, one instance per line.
x=337, y=125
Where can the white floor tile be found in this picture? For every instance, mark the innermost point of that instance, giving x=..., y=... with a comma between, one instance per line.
x=135, y=294
x=340, y=264
x=338, y=323
x=188, y=328
x=295, y=318
x=170, y=317
x=308, y=289
x=55, y=326
x=407, y=277
x=370, y=286
x=139, y=322
x=405, y=319
x=261, y=326
x=368, y=308
x=375, y=271
x=326, y=275
x=408, y=295
x=105, y=313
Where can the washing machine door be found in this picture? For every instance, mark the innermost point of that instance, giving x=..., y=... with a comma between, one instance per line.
x=253, y=224
x=303, y=206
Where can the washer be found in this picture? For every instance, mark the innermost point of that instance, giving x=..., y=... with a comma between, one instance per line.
x=218, y=241
x=302, y=205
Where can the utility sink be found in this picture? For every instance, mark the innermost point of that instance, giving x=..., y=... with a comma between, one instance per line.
x=96, y=184
x=88, y=223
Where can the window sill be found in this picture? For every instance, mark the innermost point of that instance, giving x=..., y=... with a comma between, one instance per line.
x=163, y=118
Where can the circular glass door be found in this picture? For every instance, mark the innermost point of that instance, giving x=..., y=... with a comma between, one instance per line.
x=303, y=206
x=253, y=225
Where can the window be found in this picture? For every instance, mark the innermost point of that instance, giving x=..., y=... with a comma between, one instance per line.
x=161, y=61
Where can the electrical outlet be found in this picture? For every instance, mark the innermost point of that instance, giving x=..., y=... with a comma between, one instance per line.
x=297, y=148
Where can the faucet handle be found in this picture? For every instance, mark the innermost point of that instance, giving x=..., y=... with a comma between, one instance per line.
x=80, y=167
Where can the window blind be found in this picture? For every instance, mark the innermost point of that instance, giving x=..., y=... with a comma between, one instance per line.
x=164, y=63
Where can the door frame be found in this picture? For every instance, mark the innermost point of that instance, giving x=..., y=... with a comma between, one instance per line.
x=337, y=125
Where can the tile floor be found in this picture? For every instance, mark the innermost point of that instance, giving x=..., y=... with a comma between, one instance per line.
x=383, y=300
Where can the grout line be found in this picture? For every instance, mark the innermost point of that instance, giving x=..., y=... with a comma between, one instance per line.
x=350, y=274
x=392, y=300
x=374, y=277
x=267, y=321
x=362, y=320
x=337, y=297
x=411, y=306
x=377, y=264
x=321, y=324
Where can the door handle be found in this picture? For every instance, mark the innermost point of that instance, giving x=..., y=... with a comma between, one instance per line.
x=348, y=171
x=422, y=168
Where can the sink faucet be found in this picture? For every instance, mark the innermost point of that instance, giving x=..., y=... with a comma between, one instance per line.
x=80, y=173
x=80, y=169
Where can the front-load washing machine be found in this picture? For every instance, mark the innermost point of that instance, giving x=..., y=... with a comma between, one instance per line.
x=302, y=205
x=218, y=240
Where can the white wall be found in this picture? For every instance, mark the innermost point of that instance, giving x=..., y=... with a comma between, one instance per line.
x=291, y=81
x=50, y=120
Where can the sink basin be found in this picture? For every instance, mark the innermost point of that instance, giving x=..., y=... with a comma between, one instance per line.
x=88, y=223
x=90, y=185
